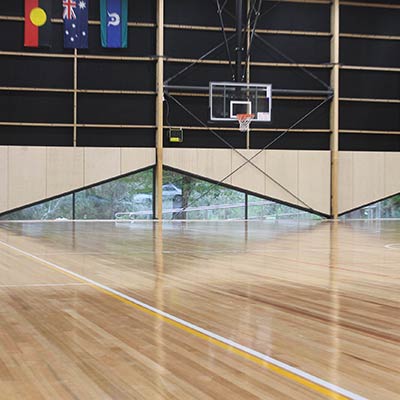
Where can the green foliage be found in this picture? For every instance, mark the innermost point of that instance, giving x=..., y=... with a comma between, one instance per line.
x=133, y=194
x=389, y=208
x=118, y=196
x=53, y=209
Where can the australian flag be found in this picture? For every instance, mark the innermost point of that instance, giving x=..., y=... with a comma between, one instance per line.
x=75, y=17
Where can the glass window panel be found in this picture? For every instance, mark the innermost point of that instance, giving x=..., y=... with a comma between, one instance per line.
x=200, y=199
x=130, y=197
x=389, y=208
x=60, y=208
x=266, y=209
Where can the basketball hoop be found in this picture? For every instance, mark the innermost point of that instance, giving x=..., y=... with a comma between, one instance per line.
x=244, y=121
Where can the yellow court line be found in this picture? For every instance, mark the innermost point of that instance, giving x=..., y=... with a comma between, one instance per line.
x=274, y=368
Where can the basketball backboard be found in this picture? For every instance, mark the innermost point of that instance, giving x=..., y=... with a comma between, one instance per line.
x=227, y=99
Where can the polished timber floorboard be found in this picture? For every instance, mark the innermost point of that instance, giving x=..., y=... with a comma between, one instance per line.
x=322, y=297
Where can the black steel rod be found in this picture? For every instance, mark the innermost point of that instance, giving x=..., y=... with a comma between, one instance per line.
x=195, y=62
x=228, y=52
x=184, y=88
x=239, y=46
x=285, y=56
x=253, y=30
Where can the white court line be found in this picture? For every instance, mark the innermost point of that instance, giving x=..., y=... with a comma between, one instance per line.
x=177, y=221
x=393, y=246
x=44, y=285
x=130, y=253
x=229, y=342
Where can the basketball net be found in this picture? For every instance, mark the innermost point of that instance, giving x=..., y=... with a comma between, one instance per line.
x=244, y=121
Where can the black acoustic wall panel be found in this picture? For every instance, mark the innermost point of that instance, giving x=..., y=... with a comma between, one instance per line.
x=285, y=113
x=116, y=109
x=370, y=20
x=141, y=43
x=112, y=137
x=280, y=78
x=367, y=116
x=370, y=84
x=104, y=74
x=138, y=10
x=56, y=73
x=295, y=16
x=180, y=44
x=36, y=107
x=12, y=8
x=195, y=12
x=299, y=49
x=193, y=111
x=117, y=75
x=41, y=71
x=208, y=139
x=292, y=77
x=357, y=142
x=35, y=136
x=198, y=75
x=290, y=140
x=175, y=114
x=376, y=53
x=12, y=39
x=288, y=112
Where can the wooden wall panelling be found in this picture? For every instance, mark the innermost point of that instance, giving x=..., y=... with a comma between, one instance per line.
x=249, y=177
x=282, y=166
x=3, y=178
x=64, y=170
x=26, y=175
x=314, y=180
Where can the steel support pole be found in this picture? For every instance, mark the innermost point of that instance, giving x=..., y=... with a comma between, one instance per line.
x=248, y=69
x=159, y=110
x=73, y=206
x=239, y=45
x=275, y=92
x=334, y=112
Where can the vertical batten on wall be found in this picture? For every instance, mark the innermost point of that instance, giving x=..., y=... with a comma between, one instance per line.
x=334, y=117
x=75, y=94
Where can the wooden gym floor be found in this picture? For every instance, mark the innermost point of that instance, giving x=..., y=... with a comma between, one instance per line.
x=200, y=310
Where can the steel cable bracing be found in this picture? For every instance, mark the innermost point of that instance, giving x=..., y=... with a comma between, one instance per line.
x=221, y=20
x=199, y=59
x=249, y=15
x=249, y=161
x=253, y=31
x=281, y=53
x=271, y=8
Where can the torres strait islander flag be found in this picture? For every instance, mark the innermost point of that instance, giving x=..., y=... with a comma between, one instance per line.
x=75, y=16
x=114, y=23
x=37, y=23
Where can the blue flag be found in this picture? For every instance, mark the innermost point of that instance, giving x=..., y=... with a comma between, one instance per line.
x=75, y=18
x=114, y=23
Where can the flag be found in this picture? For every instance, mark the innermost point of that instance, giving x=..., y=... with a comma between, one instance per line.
x=114, y=23
x=75, y=16
x=37, y=23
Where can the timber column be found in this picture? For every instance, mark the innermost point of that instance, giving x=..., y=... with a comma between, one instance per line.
x=159, y=110
x=334, y=117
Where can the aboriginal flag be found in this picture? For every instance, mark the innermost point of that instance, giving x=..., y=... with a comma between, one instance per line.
x=37, y=23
